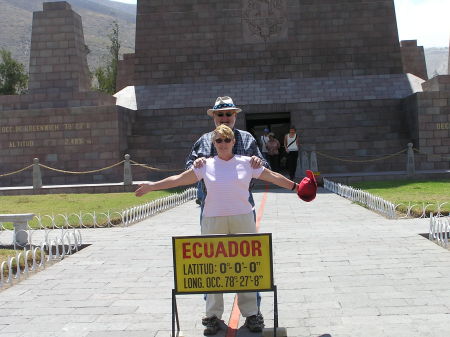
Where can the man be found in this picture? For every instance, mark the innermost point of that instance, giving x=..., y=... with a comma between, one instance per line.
x=225, y=112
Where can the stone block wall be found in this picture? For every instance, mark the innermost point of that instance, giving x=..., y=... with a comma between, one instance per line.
x=205, y=41
x=125, y=72
x=71, y=139
x=430, y=111
x=58, y=52
x=413, y=59
x=349, y=130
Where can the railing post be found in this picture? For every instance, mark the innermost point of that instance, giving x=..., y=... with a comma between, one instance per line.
x=410, y=166
x=37, y=177
x=313, y=161
x=305, y=162
x=127, y=175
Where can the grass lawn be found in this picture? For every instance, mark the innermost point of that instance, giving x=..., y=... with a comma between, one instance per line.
x=74, y=203
x=411, y=191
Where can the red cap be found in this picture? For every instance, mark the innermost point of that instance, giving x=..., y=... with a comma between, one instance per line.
x=307, y=188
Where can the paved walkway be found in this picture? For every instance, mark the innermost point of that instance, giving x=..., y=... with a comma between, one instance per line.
x=341, y=271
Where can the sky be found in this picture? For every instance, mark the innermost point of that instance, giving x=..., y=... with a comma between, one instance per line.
x=427, y=21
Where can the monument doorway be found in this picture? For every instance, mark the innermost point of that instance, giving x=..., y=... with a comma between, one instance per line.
x=278, y=123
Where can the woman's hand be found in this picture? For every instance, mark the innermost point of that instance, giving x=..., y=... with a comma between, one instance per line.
x=199, y=162
x=255, y=162
x=144, y=189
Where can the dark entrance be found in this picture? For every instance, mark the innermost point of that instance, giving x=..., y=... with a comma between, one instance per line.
x=278, y=123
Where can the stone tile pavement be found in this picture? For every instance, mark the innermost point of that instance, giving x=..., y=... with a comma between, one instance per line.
x=341, y=271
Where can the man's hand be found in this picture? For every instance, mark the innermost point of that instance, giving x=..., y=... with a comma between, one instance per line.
x=256, y=162
x=144, y=189
x=199, y=162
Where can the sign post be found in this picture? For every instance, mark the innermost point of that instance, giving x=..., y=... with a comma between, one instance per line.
x=222, y=264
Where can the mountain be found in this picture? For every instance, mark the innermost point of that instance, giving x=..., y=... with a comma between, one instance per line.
x=97, y=15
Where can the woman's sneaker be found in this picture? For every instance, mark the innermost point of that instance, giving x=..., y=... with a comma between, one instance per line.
x=254, y=323
x=211, y=325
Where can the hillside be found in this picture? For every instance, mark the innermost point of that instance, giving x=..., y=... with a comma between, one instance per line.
x=97, y=15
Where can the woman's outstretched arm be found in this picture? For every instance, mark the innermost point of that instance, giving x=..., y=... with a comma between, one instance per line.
x=186, y=178
x=277, y=179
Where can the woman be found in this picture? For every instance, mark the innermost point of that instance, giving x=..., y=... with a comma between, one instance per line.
x=226, y=211
x=292, y=145
x=273, y=146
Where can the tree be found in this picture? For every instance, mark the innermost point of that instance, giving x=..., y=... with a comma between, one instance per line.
x=13, y=78
x=107, y=75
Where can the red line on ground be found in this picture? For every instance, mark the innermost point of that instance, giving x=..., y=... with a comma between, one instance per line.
x=233, y=322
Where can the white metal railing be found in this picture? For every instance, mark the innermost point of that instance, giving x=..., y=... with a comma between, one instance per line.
x=55, y=246
x=125, y=217
x=371, y=201
x=141, y=212
x=424, y=209
x=57, y=241
x=439, y=230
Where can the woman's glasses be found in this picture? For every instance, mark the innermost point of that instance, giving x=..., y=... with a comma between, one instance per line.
x=221, y=114
x=220, y=140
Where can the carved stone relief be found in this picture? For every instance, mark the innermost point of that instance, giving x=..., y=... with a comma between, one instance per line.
x=264, y=20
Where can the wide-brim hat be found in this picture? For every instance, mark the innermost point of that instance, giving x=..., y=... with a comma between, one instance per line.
x=307, y=189
x=222, y=104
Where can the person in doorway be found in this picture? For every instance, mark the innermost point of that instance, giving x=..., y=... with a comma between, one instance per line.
x=263, y=141
x=224, y=112
x=292, y=145
x=273, y=147
x=227, y=210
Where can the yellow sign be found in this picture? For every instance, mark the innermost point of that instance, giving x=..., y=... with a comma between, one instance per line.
x=222, y=263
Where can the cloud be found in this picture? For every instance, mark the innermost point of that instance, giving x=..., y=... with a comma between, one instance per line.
x=426, y=21
x=126, y=1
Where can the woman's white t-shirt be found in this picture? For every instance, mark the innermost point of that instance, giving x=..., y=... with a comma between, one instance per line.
x=227, y=183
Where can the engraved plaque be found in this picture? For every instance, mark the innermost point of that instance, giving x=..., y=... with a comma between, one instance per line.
x=264, y=20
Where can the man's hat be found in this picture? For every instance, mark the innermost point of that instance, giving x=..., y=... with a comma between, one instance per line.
x=307, y=188
x=223, y=103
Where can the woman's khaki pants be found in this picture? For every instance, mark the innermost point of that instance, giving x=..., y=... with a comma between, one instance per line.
x=233, y=224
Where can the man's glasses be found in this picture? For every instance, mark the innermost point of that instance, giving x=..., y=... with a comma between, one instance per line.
x=220, y=140
x=221, y=114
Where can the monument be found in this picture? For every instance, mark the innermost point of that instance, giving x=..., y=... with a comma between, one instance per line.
x=60, y=121
x=335, y=70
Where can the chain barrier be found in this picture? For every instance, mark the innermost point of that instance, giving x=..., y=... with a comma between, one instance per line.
x=371, y=201
x=151, y=168
x=91, y=171
x=15, y=172
x=361, y=161
x=81, y=172
x=66, y=239
x=439, y=230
